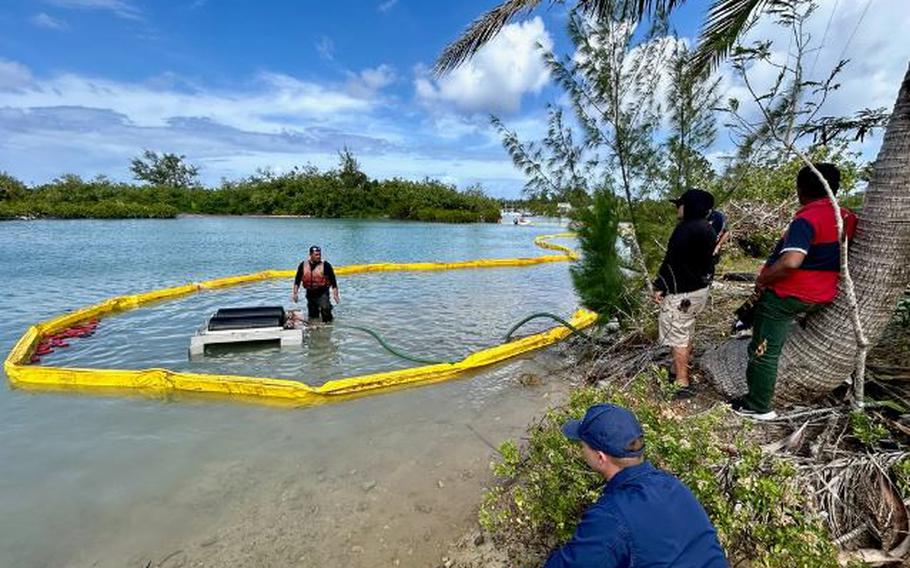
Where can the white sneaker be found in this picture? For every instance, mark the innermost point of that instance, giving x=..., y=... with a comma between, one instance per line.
x=755, y=415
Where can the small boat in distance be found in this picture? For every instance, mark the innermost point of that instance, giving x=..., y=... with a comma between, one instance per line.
x=521, y=220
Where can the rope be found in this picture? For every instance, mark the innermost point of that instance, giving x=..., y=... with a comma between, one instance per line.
x=391, y=349
x=575, y=330
x=824, y=37
x=855, y=29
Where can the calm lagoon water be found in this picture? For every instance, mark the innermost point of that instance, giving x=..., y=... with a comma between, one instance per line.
x=90, y=480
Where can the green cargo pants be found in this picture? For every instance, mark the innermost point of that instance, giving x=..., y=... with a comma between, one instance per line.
x=773, y=318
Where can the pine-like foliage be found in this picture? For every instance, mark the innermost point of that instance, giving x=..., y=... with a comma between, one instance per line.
x=597, y=275
x=557, y=167
x=691, y=99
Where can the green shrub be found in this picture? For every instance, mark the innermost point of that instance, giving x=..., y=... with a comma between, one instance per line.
x=903, y=311
x=307, y=191
x=775, y=180
x=902, y=473
x=10, y=187
x=752, y=499
x=597, y=275
x=866, y=429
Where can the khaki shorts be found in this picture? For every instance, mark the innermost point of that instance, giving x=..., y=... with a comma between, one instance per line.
x=677, y=317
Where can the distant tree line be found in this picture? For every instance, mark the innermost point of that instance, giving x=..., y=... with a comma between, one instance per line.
x=171, y=187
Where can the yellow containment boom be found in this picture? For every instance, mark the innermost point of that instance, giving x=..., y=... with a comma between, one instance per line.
x=164, y=382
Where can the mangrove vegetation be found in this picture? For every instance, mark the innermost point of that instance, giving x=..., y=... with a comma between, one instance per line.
x=170, y=187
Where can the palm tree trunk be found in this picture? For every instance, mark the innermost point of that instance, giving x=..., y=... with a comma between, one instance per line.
x=820, y=356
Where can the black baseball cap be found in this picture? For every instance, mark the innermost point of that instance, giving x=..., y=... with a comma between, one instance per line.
x=694, y=197
x=314, y=248
x=607, y=428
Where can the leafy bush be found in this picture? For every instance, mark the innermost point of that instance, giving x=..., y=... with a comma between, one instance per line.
x=902, y=473
x=753, y=501
x=306, y=191
x=903, y=311
x=10, y=187
x=597, y=275
x=775, y=180
x=866, y=429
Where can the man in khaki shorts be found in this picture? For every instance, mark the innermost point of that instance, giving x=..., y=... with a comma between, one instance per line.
x=681, y=286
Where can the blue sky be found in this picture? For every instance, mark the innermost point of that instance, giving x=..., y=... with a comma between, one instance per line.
x=236, y=85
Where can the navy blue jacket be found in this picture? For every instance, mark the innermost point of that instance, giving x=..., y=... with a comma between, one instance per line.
x=644, y=518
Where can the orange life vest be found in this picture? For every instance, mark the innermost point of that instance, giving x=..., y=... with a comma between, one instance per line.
x=314, y=277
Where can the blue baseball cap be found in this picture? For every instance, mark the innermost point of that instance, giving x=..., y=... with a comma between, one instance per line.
x=607, y=428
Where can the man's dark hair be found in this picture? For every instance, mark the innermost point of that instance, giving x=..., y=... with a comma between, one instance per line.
x=810, y=187
x=635, y=445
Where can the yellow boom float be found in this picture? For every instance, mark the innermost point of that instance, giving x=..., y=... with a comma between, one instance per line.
x=164, y=382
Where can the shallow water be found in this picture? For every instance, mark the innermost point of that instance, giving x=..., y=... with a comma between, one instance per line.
x=111, y=481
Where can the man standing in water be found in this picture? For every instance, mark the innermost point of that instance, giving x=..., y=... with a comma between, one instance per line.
x=317, y=277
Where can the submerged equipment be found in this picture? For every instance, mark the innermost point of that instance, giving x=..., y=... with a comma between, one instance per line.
x=247, y=318
x=246, y=325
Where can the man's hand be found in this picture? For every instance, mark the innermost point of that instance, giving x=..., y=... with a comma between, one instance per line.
x=657, y=297
x=294, y=297
x=336, y=294
x=785, y=265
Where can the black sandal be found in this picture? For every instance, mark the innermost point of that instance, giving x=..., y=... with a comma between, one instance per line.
x=683, y=393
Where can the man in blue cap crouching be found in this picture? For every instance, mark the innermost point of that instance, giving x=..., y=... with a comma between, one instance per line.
x=644, y=517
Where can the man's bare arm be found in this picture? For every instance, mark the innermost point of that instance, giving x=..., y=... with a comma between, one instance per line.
x=787, y=263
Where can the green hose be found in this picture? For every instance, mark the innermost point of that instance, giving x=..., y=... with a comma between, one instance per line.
x=555, y=317
x=508, y=336
x=391, y=349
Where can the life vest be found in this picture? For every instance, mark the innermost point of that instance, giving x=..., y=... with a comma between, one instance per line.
x=314, y=277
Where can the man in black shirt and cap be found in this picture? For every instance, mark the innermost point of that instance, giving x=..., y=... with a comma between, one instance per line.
x=317, y=277
x=681, y=286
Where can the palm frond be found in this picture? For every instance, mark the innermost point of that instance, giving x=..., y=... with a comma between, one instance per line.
x=481, y=30
x=644, y=7
x=726, y=21
x=487, y=26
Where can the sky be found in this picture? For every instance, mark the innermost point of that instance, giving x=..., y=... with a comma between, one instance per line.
x=236, y=85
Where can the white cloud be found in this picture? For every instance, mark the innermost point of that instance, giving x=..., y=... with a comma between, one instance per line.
x=13, y=75
x=120, y=8
x=497, y=77
x=40, y=143
x=43, y=20
x=85, y=125
x=369, y=81
x=275, y=101
x=387, y=5
x=90, y=125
